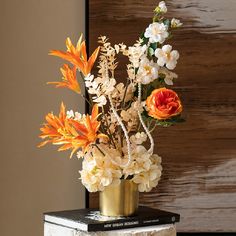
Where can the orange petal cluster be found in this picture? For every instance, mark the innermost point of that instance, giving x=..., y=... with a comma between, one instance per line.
x=69, y=79
x=87, y=130
x=69, y=133
x=77, y=55
x=163, y=103
x=52, y=129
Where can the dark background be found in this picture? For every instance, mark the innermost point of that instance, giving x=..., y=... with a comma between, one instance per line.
x=199, y=177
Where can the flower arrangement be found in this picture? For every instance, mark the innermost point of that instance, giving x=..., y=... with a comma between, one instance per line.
x=112, y=140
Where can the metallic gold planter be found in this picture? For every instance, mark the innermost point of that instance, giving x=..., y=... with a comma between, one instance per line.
x=120, y=200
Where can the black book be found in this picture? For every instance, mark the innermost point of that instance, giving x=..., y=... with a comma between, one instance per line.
x=91, y=220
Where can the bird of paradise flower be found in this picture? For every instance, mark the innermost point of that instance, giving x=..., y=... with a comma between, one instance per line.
x=61, y=130
x=71, y=134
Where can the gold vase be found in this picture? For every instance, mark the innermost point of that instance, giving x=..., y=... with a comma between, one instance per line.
x=120, y=200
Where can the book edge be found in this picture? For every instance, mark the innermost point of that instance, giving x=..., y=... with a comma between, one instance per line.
x=66, y=223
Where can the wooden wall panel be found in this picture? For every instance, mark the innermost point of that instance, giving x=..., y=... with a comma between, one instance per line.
x=199, y=178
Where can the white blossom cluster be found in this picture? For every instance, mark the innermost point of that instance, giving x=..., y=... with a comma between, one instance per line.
x=75, y=115
x=99, y=171
x=150, y=59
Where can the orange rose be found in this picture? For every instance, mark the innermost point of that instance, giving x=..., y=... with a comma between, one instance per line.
x=163, y=103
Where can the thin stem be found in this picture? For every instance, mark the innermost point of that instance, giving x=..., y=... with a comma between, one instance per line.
x=83, y=96
x=126, y=88
x=153, y=128
x=108, y=130
x=99, y=149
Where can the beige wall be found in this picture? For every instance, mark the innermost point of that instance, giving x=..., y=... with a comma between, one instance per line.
x=34, y=180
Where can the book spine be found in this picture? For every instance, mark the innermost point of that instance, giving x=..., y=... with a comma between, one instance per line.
x=160, y=221
x=133, y=223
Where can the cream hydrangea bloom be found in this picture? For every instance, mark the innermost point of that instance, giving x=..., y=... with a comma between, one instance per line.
x=147, y=180
x=145, y=168
x=156, y=32
x=147, y=72
x=167, y=56
x=140, y=161
x=99, y=171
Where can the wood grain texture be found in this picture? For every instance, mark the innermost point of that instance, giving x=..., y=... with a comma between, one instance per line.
x=199, y=178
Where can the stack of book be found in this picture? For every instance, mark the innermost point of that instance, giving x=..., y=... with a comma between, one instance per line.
x=90, y=220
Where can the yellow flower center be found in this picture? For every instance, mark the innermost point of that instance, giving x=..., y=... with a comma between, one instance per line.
x=155, y=31
x=148, y=69
x=168, y=55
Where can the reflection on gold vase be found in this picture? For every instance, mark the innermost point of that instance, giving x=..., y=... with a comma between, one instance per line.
x=120, y=200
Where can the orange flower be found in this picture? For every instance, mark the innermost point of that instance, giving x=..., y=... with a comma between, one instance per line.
x=163, y=103
x=77, y=55
x=52, y=130
x=68, y=80
x=69, y=133
x=87, y=130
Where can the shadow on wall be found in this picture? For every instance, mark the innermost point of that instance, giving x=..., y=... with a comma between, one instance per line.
x=34, y=180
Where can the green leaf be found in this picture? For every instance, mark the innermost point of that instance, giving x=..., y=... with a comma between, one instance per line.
x=150, y=51
x=162, y=123
x=168, y=122
x=166, y=22
x=154, y=46
x=145, y=40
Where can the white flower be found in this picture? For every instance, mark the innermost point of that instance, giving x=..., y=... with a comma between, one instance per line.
x=175, y=23
x=141, y=161
x=147, y=72
x=149, y=179
x=169, y=75
x=167, y=56
x=70, y=114
x=80, y=154
x=75, y=115
x=78, y=116
x=98, y=171
x=156, y=32
x=162, y=7
x=101, y=101
x=138, y=138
